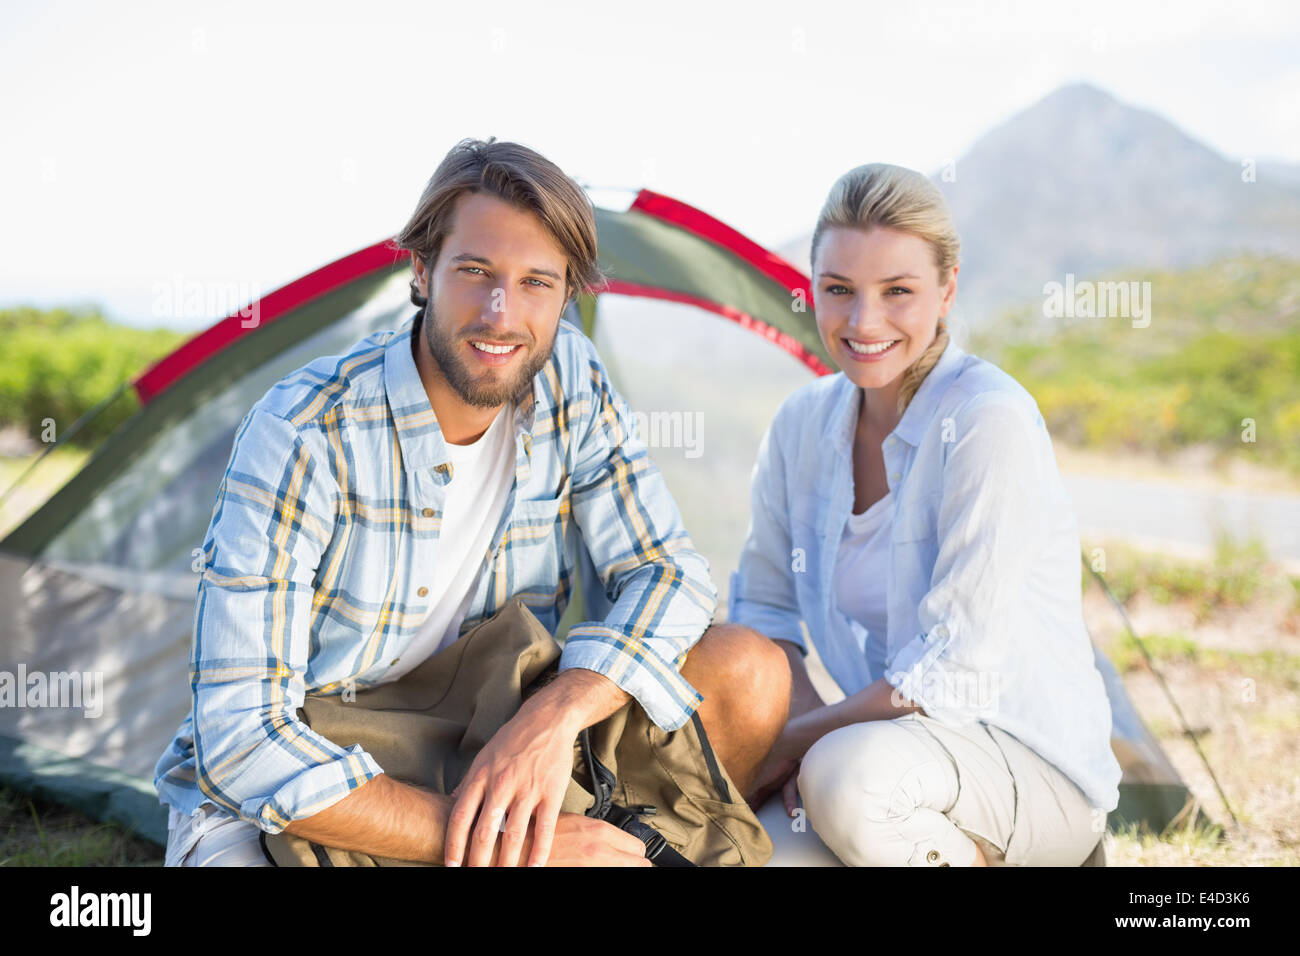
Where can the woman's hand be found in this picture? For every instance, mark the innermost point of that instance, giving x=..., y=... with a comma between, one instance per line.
x=780, y=770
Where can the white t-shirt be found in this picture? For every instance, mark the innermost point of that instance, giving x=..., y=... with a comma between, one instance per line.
x=861, y=575
x=482, y=475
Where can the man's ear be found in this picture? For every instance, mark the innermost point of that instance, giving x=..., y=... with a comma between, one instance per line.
x=421, y=274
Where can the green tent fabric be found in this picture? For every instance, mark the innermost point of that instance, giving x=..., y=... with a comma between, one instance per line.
x=100, y=579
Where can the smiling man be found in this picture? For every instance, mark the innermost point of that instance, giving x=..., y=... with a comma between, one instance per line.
x=380, y=503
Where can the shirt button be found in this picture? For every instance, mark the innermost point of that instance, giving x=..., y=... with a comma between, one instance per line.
x=423, y=592
x=932, y=856
x=894, y=476
x=428, y=512
x=393, y=661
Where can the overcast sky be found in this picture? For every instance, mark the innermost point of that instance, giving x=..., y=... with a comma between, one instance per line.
x=248, y=143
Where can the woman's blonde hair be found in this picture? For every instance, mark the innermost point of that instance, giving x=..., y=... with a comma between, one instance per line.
x=895, y=197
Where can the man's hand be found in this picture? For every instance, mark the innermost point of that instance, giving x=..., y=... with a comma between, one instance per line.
x=524, y=769
x=521, y=776
x=583, y=841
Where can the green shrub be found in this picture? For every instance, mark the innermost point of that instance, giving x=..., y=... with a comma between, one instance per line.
x=58, y=364
x=1223, y=347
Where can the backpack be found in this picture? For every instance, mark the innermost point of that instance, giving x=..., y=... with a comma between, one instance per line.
x=666, y=787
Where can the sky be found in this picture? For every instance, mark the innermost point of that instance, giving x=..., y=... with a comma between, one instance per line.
x=152, y=146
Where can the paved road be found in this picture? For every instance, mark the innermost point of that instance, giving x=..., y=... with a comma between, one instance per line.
x=1187, y=517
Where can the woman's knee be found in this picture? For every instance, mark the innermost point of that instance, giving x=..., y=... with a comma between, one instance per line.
x=860, y=783
x=869, y=759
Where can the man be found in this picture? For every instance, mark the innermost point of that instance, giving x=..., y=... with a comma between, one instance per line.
x=378, y=504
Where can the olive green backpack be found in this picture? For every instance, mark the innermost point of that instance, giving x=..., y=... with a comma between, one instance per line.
x=666, y=787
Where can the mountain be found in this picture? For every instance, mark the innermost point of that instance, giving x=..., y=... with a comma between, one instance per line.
x=1082, y=183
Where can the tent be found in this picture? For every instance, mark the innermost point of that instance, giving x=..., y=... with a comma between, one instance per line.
x=699, y=333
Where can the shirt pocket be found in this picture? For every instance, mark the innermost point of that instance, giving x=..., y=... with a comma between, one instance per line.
x=533, y=557
x=534, y=518
x=917, y=520
x=539, y=519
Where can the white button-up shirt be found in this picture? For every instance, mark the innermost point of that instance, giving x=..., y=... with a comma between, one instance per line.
x=985, y=618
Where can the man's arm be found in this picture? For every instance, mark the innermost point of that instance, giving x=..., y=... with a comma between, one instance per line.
x=388, y=818
x=272, y=520
x=663, y=598
x=385, y=817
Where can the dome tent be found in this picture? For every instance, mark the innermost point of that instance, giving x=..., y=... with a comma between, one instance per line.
x=98, y=585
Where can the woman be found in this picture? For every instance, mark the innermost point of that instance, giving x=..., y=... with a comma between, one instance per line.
x=909, y=512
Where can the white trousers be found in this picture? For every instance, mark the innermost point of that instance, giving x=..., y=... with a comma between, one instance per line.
x=212, y=837
x=915, y=792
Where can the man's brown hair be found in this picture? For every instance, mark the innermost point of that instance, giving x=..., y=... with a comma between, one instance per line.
x=517, y=175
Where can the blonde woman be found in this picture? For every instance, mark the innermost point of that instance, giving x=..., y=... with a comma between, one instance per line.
x=909, y=512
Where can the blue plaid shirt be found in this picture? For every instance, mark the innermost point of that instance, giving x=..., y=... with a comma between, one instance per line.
x=323, y=540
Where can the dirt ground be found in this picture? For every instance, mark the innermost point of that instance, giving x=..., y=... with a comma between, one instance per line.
x=1234, y=671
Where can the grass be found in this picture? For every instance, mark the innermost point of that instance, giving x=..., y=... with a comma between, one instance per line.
x=36, y=833
x=1231, y=580
x=1219, y=368
x=1179, y=649
x=1224, y=634
x=1200, y=842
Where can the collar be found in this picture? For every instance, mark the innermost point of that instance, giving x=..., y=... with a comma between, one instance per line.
x=419, y=436
x=919, y=411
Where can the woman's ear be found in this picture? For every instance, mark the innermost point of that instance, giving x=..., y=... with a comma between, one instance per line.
x=950, y=291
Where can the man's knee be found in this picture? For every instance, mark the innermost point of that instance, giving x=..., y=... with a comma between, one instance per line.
x=738, y=667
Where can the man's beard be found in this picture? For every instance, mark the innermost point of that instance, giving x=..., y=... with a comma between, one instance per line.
x=448, y=355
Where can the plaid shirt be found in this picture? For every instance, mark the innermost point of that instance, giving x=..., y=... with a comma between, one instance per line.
x=323, y=539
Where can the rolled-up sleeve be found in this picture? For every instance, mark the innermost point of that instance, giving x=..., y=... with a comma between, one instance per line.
x=993, y=521
x=763, y=592
x=662, y=596
x=272, y=520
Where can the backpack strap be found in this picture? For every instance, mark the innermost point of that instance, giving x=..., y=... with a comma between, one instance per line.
x=657, y=849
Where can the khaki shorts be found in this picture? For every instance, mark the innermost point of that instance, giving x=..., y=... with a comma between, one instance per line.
x=915, y=792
